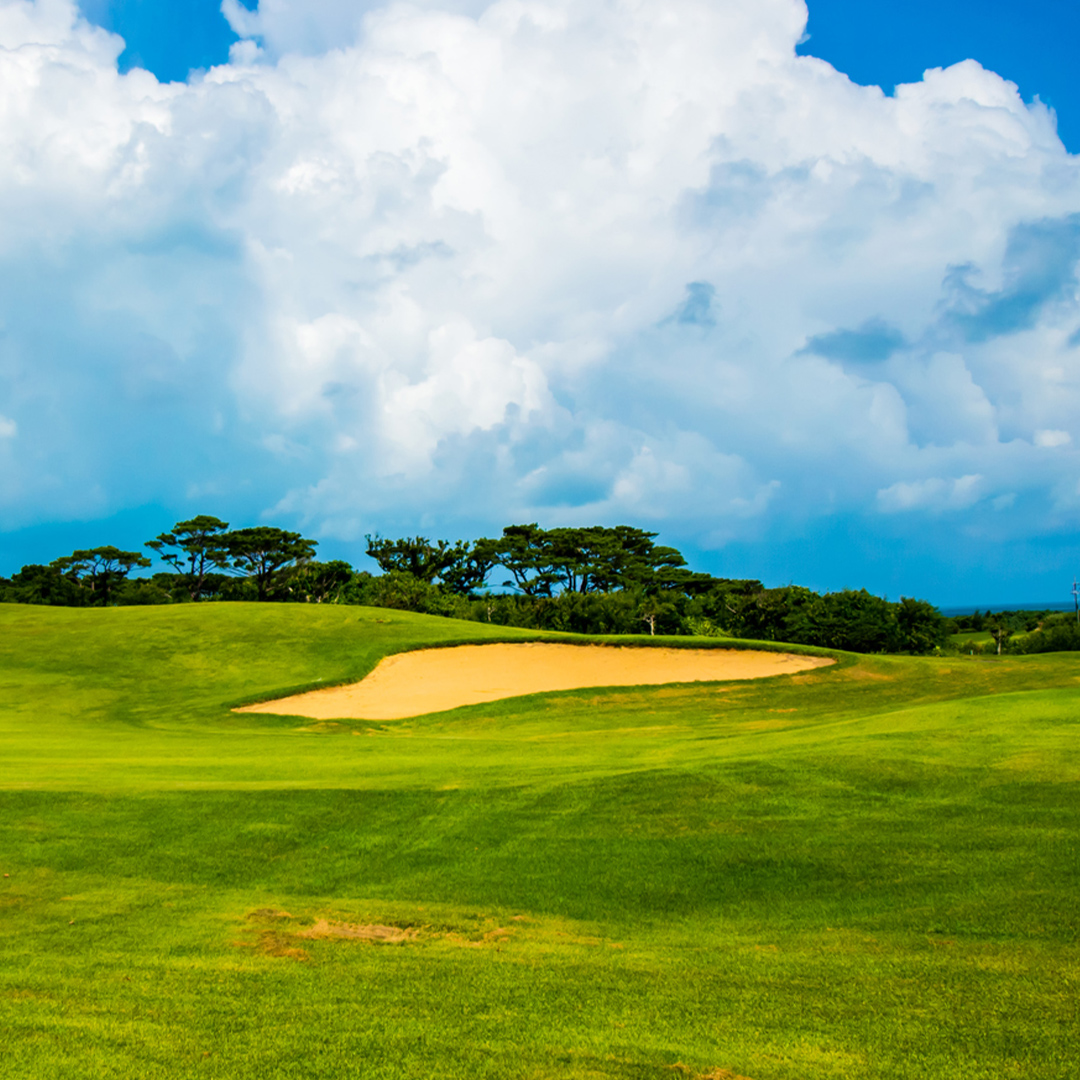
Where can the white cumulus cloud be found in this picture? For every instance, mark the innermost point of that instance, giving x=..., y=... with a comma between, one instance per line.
x=480, y=261
x=934, y=493
x=1051, y=438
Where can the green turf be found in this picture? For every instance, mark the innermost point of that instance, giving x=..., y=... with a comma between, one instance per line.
x=871, y=870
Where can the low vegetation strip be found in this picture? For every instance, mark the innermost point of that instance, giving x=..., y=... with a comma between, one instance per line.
x=434, y=680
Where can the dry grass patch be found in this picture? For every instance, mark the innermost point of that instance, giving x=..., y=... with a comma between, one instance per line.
x=286, y=941
x=713, y=1074
x=324, y=929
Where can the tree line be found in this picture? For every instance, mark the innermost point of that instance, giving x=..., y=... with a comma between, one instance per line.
x=594, y=579
x=1021, y=633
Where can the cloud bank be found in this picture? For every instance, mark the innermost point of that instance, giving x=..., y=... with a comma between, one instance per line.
x=442, y=266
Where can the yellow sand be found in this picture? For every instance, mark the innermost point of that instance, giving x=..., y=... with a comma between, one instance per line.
x=430, y=680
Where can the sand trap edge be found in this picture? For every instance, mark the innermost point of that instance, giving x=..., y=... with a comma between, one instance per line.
x=422, y=681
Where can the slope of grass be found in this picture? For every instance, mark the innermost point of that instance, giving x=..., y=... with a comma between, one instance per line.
x=862, y=871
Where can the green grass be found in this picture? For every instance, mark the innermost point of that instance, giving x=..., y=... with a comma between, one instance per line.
x=870, y=870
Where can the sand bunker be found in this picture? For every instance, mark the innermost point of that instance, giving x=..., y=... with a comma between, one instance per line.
x=431, y=680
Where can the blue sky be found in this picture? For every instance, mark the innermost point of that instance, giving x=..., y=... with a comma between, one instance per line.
x=435, y=270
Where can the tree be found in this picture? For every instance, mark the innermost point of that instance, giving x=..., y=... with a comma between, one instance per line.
x=653, y=608
x=723, y=601
x=525, y=551
x=628, y=557
x=850, y=619
x=193, y=548
x=765, y=614
x=262, y=552
x=595, y=558
x=99, y=569
x=416, y=555
x=999, y=628
x=920, y=626
x=35, y=584
x=320, y=582
x=471, y=570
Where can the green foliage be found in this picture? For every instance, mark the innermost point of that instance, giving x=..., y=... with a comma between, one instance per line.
x=402, y=592
x=36, y=584
x=634, y=586
x=1019, y=633
x=194, y=549
x=1057, y=633
x=854, y=620
x=148, y=591
x=319, y=582
x=592, y=579
x=460, y=568
x=975, y=622
x=866, y=872
x=545, y=562
x=1000, y=629
x=99, y=570
x=417, y=556
x=262, y=553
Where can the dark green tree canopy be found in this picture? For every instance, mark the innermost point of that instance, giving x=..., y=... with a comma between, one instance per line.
x=595, y=558
x=262, y=552
x=470, y=571
x=461, y=567
x=193, y=549
x=99, y=569
x=35, y=584
x=920, y=627
x=319, y=582
x=416, y=555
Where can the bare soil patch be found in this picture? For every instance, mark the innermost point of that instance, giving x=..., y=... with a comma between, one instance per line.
x=432, y=680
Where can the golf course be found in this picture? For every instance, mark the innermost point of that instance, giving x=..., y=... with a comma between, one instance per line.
x=866, y=866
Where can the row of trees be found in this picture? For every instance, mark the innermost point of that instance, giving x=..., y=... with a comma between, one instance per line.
x=542, y=562
x=205, y=557
x=592, y=580
x=1022, y=632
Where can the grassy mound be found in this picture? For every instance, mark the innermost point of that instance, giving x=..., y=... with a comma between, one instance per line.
x=869, y=870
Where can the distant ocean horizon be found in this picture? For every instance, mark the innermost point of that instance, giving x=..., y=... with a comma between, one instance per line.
x=1041, y=605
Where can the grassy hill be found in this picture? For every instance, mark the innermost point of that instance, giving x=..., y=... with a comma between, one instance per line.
x=868, y=871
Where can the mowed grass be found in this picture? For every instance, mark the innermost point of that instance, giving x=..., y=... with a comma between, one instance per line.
x=870, y=870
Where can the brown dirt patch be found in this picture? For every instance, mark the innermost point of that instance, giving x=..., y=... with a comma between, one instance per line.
x=432, y=680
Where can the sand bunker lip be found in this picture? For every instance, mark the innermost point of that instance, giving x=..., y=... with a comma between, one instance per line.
x=433, y=680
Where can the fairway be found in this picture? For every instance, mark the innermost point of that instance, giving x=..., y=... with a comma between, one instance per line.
x=434, y=680
x=864, y=870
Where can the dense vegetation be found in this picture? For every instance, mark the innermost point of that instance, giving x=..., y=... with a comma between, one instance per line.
x=1016, y=632
x=863, y=872
x=595, y=580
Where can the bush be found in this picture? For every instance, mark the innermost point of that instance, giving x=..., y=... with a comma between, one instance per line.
x=1062, y=637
